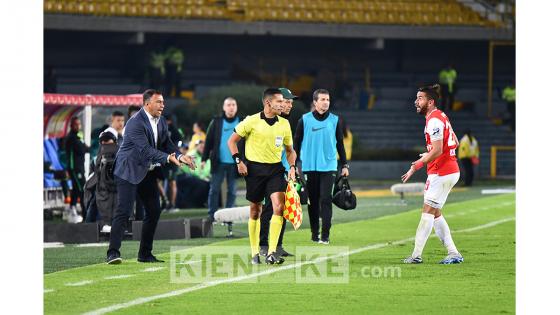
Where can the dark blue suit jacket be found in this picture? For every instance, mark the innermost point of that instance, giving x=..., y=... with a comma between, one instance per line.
x=138, y=150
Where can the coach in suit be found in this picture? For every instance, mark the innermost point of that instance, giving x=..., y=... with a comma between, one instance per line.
x=146, y=145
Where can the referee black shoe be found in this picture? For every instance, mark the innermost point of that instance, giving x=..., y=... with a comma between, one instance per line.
x=256, y=260
x=282, y=252
x=149, y=259
x=274, y=259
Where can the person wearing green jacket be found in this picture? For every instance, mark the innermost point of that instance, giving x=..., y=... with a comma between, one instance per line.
x=508, y=95
x=447, y=78
x=193, y=186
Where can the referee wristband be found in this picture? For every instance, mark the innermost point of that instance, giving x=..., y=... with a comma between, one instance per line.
x=293, y=167
x=236, y=158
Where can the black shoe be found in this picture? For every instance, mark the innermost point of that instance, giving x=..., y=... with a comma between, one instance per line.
x=282, y=252
x=256, y=260
x=113, y=259
x=315, y=237
x=274, y=258
x=263, y=251
x=149, y=259
x=324, y=241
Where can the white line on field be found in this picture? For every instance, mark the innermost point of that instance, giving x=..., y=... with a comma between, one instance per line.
x=48, y=290
x=77, y=284
x=118, y=277
x=152, y=269
x=204, y=285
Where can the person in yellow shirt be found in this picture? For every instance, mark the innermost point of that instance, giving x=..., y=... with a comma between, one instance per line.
x=447, y=78
x=469, y=155
x=198, y=134
x=266, y=134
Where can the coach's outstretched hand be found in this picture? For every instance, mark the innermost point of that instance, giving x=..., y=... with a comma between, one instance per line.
x=242, y=169
x=187, y=159
x=173, y=159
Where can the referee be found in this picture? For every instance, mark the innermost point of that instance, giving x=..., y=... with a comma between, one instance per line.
x=319, y=138
x=265, y=134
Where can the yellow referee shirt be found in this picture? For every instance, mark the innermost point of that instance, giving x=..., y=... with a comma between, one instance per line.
x=264, y=143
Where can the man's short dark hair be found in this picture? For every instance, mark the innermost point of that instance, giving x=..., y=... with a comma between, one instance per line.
x=117, y=113
x=147, y=95
x=319, y=91
x=432, y=91
x=73, y=119
x=270, y=92
x=133, y=108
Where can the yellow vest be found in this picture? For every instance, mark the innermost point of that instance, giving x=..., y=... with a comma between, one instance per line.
x=468, y=149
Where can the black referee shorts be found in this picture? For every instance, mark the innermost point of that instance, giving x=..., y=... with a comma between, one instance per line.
x=264, y=179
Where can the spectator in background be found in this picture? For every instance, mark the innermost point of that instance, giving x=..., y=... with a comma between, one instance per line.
x=222, y=163
x=133, y=109
x=447, y=78
x=169, y=170
x=157, y=70
x=175, y=59
x=76, y=150
x=469, y=155
x=508, y=95
x=348, y=138
x=117, y=126
x=198, y=134
x=193, y=185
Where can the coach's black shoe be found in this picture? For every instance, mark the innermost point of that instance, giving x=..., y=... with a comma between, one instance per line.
x=325, y=241
x=282, y=252
x=274, y=258
x=256, y=260
x=114, y=259
x=149, y=259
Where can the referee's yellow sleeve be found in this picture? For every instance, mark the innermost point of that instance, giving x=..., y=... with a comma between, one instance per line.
x=243, y=128
x=288, y=140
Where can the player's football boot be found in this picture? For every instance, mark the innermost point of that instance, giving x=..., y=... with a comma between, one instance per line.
x=256, y=260
x=274, y=258
x=452, y=259
x=263, y=251
x=413, y=260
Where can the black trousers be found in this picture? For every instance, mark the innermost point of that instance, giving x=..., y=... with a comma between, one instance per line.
x=126, y=195
x=266, y=215
x=192, y=192
x=319, y=189
x=78, y=182
x=469, y=171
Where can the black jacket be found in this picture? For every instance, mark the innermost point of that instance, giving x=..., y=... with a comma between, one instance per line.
x=75, y=152
x=213, y=140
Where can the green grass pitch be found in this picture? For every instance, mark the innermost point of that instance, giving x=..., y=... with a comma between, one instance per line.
x=483, y=229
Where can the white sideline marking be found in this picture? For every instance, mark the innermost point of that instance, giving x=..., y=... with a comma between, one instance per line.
x=118, y=277
x=53, y=245
x=204, y=285
x=189, y=263
x=152, y=269
x=77, y=284
x=93, y=245
x=48, y=290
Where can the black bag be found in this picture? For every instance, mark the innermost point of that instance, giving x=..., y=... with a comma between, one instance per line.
x=343, y=197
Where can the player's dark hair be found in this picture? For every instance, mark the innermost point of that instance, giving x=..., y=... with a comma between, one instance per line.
x=133, y=108
x=117, y=113
x=432, y=91
x=147, y=95
x=319, y=91
x=270, y=92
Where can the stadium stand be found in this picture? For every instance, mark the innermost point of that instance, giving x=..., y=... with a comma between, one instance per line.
x=402, y=12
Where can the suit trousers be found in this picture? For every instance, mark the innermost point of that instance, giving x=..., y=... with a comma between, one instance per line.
x=126, y=195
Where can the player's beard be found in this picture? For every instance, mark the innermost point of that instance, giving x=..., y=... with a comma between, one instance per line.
x=423, y=110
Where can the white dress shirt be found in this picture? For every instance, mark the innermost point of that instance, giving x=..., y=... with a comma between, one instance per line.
x=153, y=122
